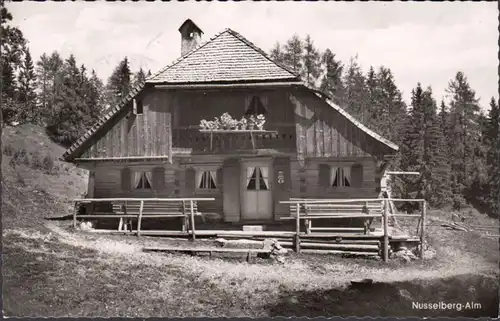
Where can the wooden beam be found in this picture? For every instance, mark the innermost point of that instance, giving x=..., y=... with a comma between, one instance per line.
x=83, y=200
x=386, y=234
x=297, y=230
x=402, y=173
x=192, y=221
x=139, y=220
x=422, y=231
x=75, y=210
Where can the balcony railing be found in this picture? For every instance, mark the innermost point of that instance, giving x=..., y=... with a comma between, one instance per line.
x=231, y=141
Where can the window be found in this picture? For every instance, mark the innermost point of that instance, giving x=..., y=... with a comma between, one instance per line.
x=255, y=107
x=206, y=179
x=138, y=108
x=357, y=175
x=257, y=178
x=143, y=180
x=340, y=176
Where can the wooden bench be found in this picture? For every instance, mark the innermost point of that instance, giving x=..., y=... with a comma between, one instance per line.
x=332, y=209
x=154, y=209
x=126, y=210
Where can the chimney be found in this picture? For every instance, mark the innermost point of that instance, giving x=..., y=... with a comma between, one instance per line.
x=190, y=36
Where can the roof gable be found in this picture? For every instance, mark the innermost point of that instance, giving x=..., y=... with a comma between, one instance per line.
x=227, y=57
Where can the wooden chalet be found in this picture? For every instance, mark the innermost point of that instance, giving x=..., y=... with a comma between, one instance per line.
x=151, y=145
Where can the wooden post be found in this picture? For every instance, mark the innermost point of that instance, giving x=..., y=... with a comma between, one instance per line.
x=192, y=220
x=183, y=228
x=297, y=232
x=139, y=219
x=422, y=230
x=75, y=211
x=386, y=234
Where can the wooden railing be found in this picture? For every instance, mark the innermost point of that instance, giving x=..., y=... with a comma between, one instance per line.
x=138, y=208
x=224, y=141
x=329, y=208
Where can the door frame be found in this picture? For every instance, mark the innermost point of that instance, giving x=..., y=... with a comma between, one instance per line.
x=256, y=161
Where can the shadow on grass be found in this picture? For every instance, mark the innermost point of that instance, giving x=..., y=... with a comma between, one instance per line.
x=397, y=299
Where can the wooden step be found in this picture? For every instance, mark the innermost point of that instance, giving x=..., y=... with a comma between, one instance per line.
x=310, y=251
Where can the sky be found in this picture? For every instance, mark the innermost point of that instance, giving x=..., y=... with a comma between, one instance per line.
x=426, y=42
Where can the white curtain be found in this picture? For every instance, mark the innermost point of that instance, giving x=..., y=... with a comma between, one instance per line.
x=149, y=177
x=263, y=99
x=264, y=173
x=248, y=100
x=347, y=175
x=333, y=175
x=250, y=171
x=137, y=179
x=199, y=176
x=214, y=177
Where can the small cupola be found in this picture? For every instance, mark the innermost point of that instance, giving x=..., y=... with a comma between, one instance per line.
x=190, y=36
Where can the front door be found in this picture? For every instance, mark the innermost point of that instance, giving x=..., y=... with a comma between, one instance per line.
x=257, y=201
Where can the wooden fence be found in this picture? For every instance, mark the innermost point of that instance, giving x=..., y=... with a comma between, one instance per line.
x=330, y=203
x=140, y=214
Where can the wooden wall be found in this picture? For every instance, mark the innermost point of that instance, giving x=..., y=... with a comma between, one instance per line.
x=136, y=135
x=323, y=132
x=306, y=180
x=190, y=107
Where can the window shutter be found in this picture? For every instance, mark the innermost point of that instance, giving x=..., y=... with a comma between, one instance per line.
x=324, y=175
x=126, y=179
x=190, y=180
x=219, y=179
x=159, y=178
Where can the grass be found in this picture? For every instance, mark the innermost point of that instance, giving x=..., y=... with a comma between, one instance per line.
x=52, y=271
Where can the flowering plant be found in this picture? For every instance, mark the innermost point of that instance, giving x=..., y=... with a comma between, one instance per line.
x=260, y=121
x=243, y=123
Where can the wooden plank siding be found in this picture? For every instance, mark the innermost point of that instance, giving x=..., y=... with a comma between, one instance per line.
x=309, y=176
x=324, y=132
x=128, y=135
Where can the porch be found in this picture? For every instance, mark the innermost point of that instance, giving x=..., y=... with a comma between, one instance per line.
x=188, y=222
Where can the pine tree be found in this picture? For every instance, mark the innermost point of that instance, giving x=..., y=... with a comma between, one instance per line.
x=331, y=83
x=140, y=77
x=311, y=62
x=422, y=150
x=277, y=53
x=436, y=164
x=292, y=56
x=27, y=86
x=119, y=83
x=464, y=138
x=12, y=45
x=355, y=97
x=149, y=73
x=95, y=98
x=492, y=140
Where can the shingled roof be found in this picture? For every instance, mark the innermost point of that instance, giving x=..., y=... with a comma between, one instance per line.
x=226, y=57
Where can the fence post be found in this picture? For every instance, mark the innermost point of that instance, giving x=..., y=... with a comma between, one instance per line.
x=386, y=234
x=422, y=230
x=139, y=219
x=192, y=220
x=75, y=210
x=297, y=228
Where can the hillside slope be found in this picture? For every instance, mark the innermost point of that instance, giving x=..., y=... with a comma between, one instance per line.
x=35, y=183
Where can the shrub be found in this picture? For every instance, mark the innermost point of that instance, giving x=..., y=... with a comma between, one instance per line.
x=8, y=150
x=36, y=161
x=48, y=164
x=20, y=156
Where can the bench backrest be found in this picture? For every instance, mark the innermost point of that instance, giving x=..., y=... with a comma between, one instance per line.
x=133, y=207
x=333, y=208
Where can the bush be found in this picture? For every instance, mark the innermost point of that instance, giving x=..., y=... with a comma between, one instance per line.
x=48, y=164
x=36, y=161
x=19, y=157
x=8, y=150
